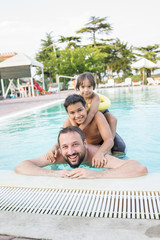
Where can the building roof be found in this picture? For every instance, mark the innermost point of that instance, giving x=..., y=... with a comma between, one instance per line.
x=18, y=66
x=4, y=56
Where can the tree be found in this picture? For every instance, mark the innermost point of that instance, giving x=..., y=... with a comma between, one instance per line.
x=72, y=41
x=47, y=55
x=149, y=52
x=48, y=41
x=75, y=61
x=96, y=25
x=125, y=58
x=118, y=57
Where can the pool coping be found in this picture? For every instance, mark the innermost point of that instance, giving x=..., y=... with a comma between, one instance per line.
x=150, y=182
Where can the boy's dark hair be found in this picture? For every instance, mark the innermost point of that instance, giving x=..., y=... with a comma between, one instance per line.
x=81, y=78
x=72, y=99
x=72, y=129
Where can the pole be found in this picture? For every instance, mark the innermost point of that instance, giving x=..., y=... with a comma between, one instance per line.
x=143, y=76
x=43, y=78
x=3, y=90
x=33, y=95
x=54, y=49
x=57, y=81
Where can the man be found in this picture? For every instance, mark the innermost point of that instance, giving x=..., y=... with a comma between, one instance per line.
x=74, y=150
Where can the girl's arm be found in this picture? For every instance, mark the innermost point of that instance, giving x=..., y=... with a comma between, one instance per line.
x=93, y=110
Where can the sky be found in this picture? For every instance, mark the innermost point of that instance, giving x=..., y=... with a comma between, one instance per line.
x=23, y=23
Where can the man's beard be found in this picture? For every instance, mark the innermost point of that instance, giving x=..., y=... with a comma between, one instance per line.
x=80, y=159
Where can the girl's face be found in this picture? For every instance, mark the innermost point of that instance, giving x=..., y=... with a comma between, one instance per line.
x=86, y=89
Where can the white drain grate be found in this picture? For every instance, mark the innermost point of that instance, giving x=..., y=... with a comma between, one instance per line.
x=86, y=203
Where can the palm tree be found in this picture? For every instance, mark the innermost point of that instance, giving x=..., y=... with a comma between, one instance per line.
x=48, y=41
x=47, y=55
x=96, y=25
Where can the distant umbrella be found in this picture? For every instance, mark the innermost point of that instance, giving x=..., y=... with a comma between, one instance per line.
x=144, y=63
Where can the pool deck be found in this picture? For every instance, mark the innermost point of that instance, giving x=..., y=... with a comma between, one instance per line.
x=29, y=226
x=10, y=107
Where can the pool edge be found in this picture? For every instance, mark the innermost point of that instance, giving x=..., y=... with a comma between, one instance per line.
x=149, y=182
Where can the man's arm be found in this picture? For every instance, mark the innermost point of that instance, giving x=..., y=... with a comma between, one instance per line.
x=106, y=135
x=117, y=169
x=34, y=167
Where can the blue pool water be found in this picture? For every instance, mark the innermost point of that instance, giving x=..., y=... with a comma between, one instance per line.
x=137, y=110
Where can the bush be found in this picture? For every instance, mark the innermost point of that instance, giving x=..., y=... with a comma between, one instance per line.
x=136, y=78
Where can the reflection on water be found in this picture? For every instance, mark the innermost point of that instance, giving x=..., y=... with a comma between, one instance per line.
x=137, y=110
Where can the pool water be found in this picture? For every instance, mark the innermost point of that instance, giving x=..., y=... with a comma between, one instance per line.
x=136, y=108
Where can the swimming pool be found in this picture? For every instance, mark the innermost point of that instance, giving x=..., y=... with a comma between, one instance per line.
x=138, y=113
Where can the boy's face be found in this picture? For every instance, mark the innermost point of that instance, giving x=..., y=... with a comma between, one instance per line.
x=86, y=89
x=77, y=112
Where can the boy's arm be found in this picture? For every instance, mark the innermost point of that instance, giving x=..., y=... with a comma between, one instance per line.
x=98, y=159
x=93, y=110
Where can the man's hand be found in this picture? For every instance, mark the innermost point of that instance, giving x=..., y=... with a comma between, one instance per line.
x=82, y=173
x=61, y=173
x=99, y=160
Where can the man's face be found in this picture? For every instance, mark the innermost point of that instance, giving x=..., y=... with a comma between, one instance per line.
x=77, y=113
x=72, y=148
